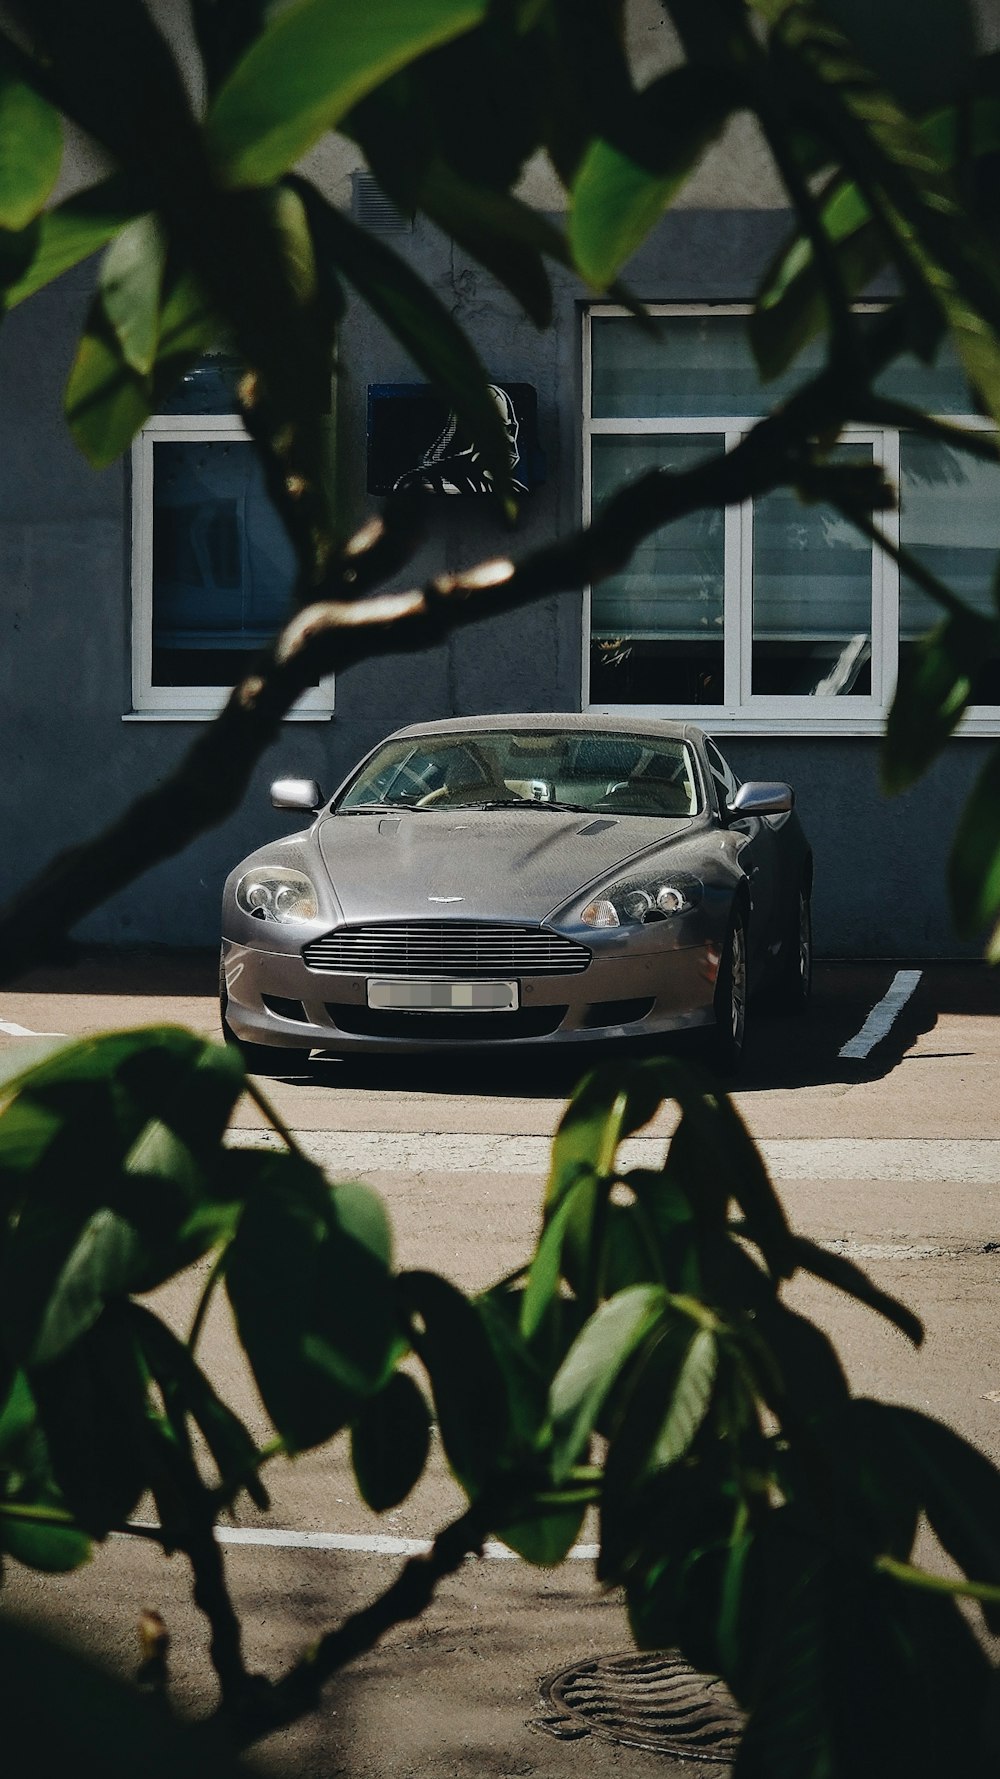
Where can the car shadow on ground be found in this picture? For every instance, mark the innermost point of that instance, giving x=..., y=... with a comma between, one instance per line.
x=781, y=1052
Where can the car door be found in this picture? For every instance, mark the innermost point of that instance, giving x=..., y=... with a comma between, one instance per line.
x=758, y=858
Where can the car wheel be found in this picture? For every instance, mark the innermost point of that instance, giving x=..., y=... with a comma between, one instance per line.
x=794, y=985
x=258, y=1059
x=726, y=1046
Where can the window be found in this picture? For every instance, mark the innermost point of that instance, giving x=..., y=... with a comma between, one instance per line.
x=213, y=571
x=775, y=615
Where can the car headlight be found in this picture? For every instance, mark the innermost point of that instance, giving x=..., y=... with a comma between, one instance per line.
x=273, y=893
x=676, y=894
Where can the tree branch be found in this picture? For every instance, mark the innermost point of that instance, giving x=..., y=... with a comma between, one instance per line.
x=407, y=1597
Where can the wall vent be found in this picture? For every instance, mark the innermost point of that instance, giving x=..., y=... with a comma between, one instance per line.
x=375, y=211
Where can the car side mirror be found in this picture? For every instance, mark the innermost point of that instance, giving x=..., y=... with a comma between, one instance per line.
x=762, y=797
x=296, y=793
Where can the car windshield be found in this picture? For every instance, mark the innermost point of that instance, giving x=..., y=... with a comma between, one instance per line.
x=538, y=768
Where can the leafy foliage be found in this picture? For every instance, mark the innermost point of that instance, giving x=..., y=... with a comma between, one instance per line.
x=750, y=1508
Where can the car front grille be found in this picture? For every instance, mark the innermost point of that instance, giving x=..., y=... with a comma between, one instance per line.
x=446, y=948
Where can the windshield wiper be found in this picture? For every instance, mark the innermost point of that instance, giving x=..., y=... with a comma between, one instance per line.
x=536, y=803
x=380, y=809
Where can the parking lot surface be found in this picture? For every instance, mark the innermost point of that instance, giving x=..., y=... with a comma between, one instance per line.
x=879, y=1117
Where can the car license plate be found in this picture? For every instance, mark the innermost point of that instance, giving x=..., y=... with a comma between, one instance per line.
x=443, y=997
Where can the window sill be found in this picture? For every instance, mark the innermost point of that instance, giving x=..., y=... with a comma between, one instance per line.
x=718, y=721
x=208, y=716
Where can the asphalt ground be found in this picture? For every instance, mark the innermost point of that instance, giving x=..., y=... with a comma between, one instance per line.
x=893, y=1157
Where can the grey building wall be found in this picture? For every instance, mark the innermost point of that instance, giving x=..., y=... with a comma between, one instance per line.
x=70, y=762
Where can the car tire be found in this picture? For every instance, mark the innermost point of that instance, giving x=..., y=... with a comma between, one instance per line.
x=726, y=1045
x=258, y=1059
x=794, y=984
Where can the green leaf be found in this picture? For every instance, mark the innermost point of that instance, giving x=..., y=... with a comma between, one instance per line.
x=470, y=1396
x=390, y=1440
x=948, y=262
x=100, y=1266
x=301, y=76
x=525, y=1377
x=713, y=1158
x=845, y=1276
x=184, y=1082
x=959, y=1491
x=545, y=1536
x=18, y=1417
x=607, y=1107
x=74, y=229
x=423, y=326
x=935, y=683
x=26, y=1131
x=93, y=1411
x=30, y=152
x=361, y=1214
x=17, y=250
x=659, y=1411
x=620, y=191
x=592, y=1366
x=791, y=306
x=544, y=1273
x=131, y=280
x=894, y=38
x=187, y=1391
x=790, y=1734
x=188, y=328
x=689, y=1405
x=106, y=402
x=225, y=29
x=313, y=1303
x=974, y=866
x=50, y=1548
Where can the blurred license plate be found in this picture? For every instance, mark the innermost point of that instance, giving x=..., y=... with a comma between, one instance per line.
x=443, y=997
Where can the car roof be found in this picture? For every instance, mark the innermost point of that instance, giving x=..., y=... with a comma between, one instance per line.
x=585, y=722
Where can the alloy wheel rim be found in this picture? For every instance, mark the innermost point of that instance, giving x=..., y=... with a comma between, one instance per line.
x=737, y=983
x=805, y=939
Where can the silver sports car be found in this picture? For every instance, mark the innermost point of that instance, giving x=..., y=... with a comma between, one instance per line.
x=515, y=879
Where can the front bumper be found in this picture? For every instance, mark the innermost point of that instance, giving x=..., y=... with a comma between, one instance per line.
x=275, y=998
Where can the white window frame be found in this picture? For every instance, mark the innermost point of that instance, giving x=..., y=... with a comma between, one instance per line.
x=741, y=712
x=182, y=703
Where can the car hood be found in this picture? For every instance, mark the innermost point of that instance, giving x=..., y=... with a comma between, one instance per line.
x=477, y=864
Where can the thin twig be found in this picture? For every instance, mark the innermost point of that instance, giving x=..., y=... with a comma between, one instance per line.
x=407, y=1597
x=204, y=1300
x=881, y=410
x=273, y=1117
x=211, y=1596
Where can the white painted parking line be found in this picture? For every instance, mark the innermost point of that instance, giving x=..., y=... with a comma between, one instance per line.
x=24, y=1031
x=350, y=1153
x=375, y=1544
x=882, y=1015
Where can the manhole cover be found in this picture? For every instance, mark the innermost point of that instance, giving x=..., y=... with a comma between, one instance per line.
x=657, y=1702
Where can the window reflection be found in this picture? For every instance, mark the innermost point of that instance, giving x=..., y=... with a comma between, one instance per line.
x=812, y=597
x=223, y=568
x=657, y=628
x=950, y=520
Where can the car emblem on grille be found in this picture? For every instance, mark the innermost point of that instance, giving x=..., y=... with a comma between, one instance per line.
x=446, y=898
